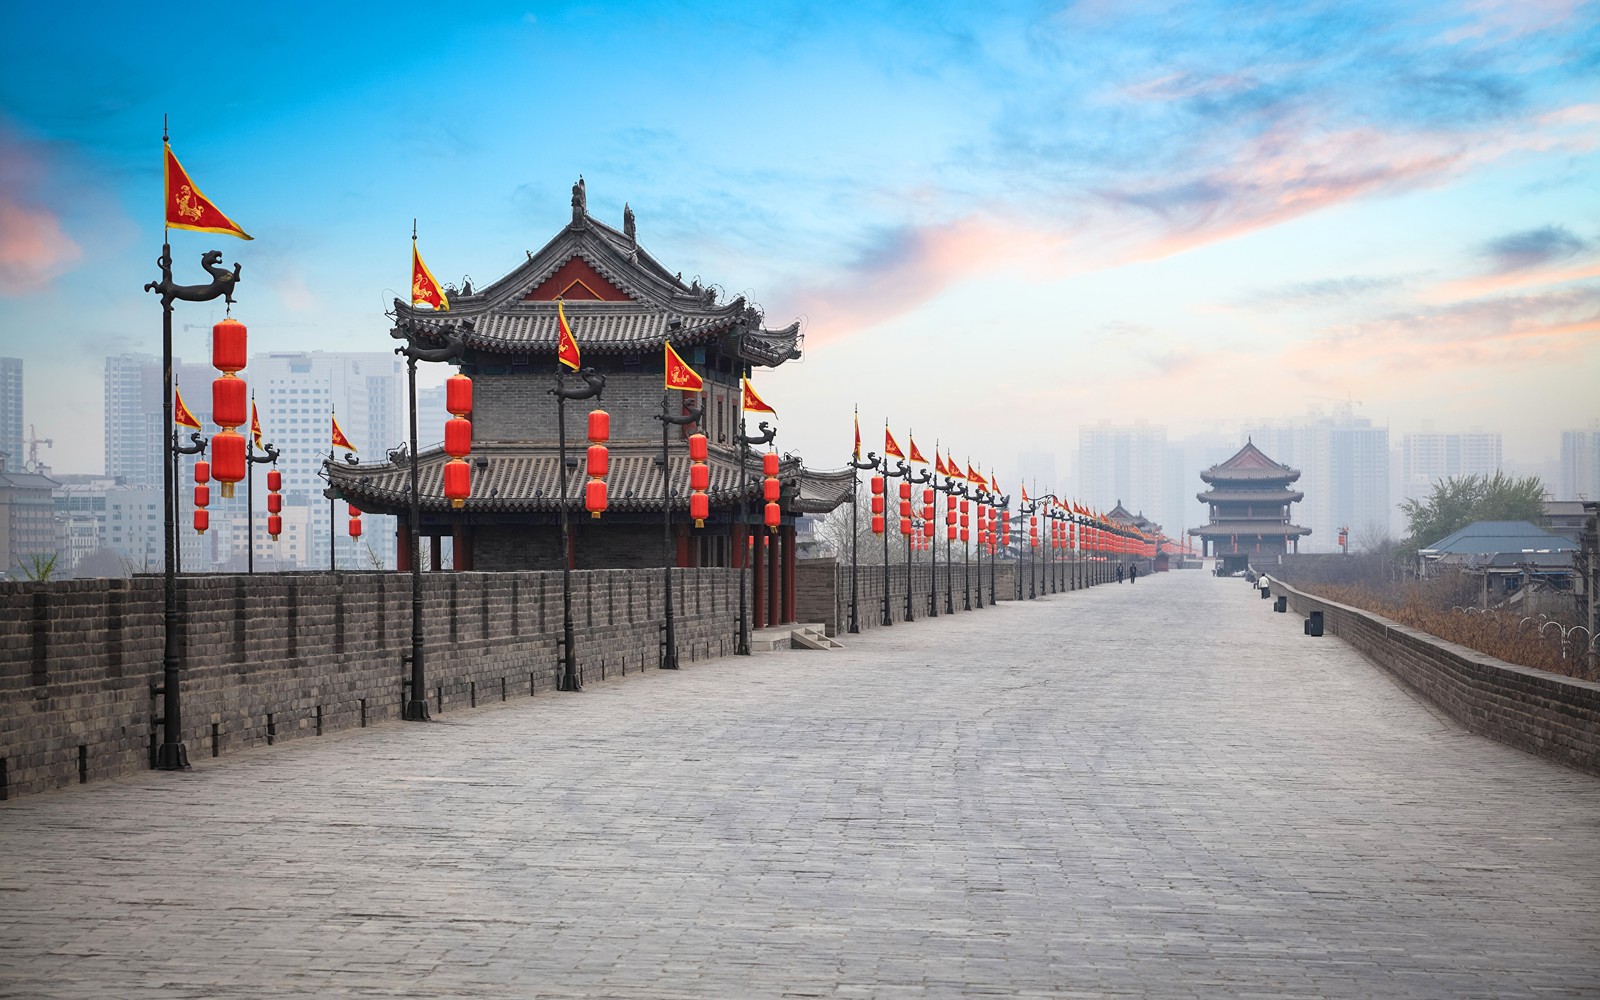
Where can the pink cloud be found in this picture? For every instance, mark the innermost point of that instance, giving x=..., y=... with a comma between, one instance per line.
x=33, y=248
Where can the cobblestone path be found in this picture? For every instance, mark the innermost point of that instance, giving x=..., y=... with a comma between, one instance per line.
x=1158, y=790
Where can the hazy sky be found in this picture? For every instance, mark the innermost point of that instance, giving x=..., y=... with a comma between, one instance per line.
x=998, y=221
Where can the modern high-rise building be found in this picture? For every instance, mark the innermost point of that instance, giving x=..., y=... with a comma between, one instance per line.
x=133, y=420
x=1124, y=464
x=1580, y=464
x=1344, y=464
x=11, y=416
x=1037, y=471
x=299, y=393
x=1429, y=458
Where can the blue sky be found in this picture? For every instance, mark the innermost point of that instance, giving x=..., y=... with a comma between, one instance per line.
x=998, y=222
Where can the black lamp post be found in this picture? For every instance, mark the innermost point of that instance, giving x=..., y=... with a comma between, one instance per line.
x=855, y=534
x=172, y=755
x=949, y=490
x=741, y=548
x=669, y=648
x=964, y=491
x=914, y=481
x=902, y=470
x=593, y=383
x=454, y=337
x=1026, y=510
x=269, y=455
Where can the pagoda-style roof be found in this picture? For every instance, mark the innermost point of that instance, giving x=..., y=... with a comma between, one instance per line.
x=618, y=300
x=1249, y=464
x=1280, y=495
x=1265, y=528
x=1123, y=515
x=509, y=478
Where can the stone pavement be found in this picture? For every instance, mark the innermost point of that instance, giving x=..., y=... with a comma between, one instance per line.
x=1158, y=790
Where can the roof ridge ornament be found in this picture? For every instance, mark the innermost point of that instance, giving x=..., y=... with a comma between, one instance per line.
x=580, y=203
x=629, y=228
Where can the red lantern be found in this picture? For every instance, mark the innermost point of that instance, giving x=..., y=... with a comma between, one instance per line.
x=927, y=529
x=963, y=521
x=877, y=485
x=229, y=404
x=274, y=480
x=202, y=521
x=227, y=459
x=699, y=509
x=773, y=516
x=202, y=471
x=599, y=426
x=697, y=448
x=905, y=490
x=274, y=503
x=457, y=482
x=927, y=496
x=769, y=467
x=950, y=533
x=950, y=518
x=963, y=508
x=355, y=527
x=905, y=526
x=699, y=476
x=458, y=395
x=594, y=497
x=964, y=536
x=202, y=496
x=228, y=346
x=458, y=437
x=598, y=461
x=877, y=505
x=905, y=508
x=950, y=502
x=770, y=490
x=274, y=526
x=927, y=512
x=352, y=510
x=877, y=524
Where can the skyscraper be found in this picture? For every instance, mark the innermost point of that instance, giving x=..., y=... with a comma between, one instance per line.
x=1344, y=465
x=1126, y=464
x=133, y=419
x=1429, y=458
x=11, y=416
x=1580, y=464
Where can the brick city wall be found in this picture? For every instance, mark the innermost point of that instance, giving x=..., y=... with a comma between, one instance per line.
x=281, y=656
x=1545, y=714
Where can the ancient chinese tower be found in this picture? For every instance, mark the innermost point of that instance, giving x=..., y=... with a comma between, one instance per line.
x=1249, y=499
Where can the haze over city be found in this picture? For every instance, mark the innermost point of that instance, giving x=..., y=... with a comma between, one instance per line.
x=997, y=225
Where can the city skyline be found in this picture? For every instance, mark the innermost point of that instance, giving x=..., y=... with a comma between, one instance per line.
x=1262, y=210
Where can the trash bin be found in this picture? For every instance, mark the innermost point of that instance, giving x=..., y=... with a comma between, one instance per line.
x=1281, y=605
x=1314, y=623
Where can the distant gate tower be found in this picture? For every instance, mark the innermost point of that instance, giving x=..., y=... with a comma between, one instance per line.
x=1249, y=498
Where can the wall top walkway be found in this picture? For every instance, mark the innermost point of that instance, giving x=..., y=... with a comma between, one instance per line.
x=1042, y=798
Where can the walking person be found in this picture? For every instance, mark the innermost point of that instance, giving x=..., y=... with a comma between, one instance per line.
x=1133, y=572
x=1119, y=572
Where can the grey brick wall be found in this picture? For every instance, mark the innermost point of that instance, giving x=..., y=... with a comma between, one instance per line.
x=276, y=656
x=1545, y=714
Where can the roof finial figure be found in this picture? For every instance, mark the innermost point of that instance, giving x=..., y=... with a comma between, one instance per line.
x=580, y=202
x=629, y=230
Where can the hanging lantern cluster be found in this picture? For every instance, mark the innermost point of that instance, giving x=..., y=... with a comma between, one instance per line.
x=597, y=463
x=355, y=521
x=927, y=513
x=274, y=503
x=699, y=480
x=458, y=439
x=877, y=505
x=965, y=508
x=950, y=517
x=229, y=406
x=1033, y=531
x=202, y=496
x=1005, y=529
x=770, y=490
x=905, y=508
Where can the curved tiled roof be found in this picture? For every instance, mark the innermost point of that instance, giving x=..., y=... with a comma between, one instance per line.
x=1251, y=464
x=511, y=479
x=1281, y=495
x=1266, y=529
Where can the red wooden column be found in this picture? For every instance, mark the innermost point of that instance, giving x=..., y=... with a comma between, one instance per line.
x=402, y=547
x=685, y=552
x=757, y=580
x=741, y=546
x=774, y=586
x=461, y=547
x=789, y=558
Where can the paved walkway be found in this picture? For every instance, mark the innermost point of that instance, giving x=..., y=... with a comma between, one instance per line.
x=1154, y=790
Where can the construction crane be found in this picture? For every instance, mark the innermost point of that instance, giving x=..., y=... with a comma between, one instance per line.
x=33, y=443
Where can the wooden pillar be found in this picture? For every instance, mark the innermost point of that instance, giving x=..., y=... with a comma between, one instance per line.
x=461, y=547
x=685, y=551
x=436, y=551
x=402, y=547
x=741, y=547
x=774, y=588
x=757, y=584
x=788, y=533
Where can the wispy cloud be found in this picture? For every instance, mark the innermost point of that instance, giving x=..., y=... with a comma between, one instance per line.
x=1323, y=292
x=1533, y=248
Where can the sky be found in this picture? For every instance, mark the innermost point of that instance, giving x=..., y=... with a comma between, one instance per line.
x=996, y=222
